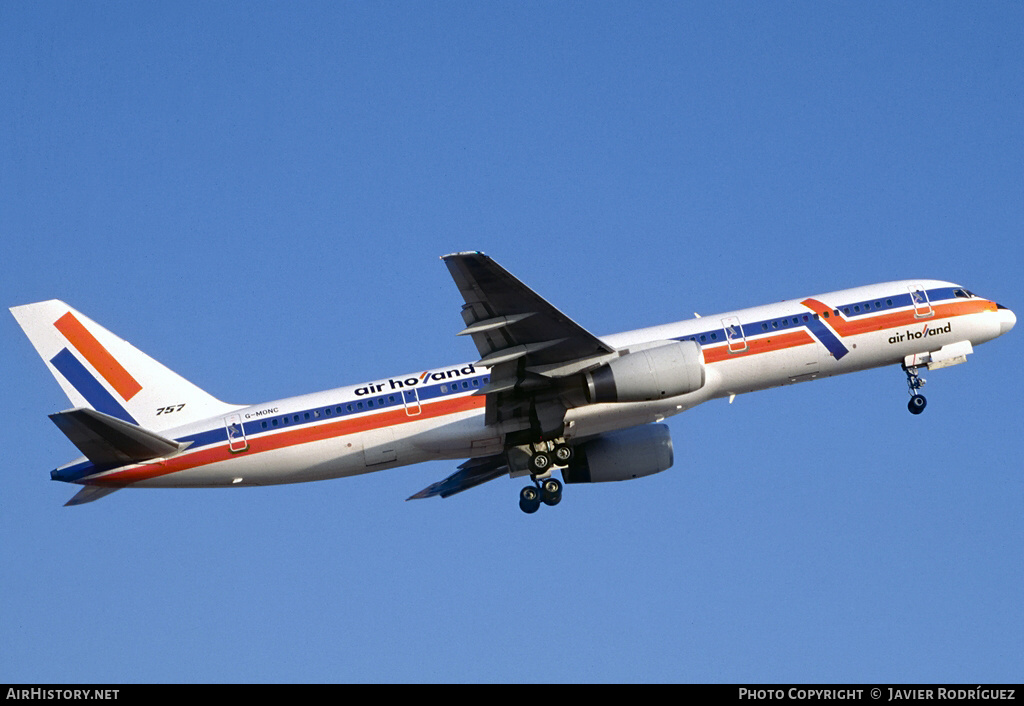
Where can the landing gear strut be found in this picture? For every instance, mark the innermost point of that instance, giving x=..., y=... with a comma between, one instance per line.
x=914, y=384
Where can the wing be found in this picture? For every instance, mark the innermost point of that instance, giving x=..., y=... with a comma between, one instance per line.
x=529, y=346
x=470, y=474
x=517, y=333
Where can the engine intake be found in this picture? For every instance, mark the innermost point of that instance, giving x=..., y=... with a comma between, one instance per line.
x=651, y=374
x=621, y=455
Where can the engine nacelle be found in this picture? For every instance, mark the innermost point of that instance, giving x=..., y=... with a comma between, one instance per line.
x=621, y=455
x=651, y=374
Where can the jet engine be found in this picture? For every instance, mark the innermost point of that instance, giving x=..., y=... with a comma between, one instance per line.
x=651, y=374
x=621, y=455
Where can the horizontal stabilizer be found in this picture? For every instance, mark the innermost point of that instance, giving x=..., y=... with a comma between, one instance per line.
x=88, y=494
x=470, y=474
x=108, y=441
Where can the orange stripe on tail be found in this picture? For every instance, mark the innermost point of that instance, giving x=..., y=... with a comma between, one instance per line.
x=98, y=356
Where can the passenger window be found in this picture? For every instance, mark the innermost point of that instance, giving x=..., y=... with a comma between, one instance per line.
x=273, y=422
x=264, y=425
x=764, y=327
x=825, y=314
x=888, y=302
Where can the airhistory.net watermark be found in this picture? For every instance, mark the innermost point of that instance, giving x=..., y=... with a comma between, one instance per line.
x=41, y=694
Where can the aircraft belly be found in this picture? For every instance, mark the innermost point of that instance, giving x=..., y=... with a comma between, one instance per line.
x=464, y=434
x=318, y=460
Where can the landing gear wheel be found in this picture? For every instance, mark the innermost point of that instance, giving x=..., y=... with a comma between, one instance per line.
x=552, y=490
x=529, y=499
x=562, y=454
x=914, y=384
x=540, y=463
x=917, y=404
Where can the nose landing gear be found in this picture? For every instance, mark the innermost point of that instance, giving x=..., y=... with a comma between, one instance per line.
x=914, y=384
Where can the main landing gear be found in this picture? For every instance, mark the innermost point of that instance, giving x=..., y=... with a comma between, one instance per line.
x=914, y=384
x=548, y=491
x=544, y=457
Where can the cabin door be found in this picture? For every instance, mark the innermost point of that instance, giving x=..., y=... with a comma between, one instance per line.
x=922, y=307
x=734, y=334
x=411, y=399
x=236, y=434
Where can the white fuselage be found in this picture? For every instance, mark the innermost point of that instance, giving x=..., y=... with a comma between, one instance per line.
x=439, y=414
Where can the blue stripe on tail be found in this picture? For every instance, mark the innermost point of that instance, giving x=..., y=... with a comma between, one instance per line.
x=88, y=386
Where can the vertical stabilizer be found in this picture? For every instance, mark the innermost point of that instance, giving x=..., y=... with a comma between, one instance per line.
x=99, y=370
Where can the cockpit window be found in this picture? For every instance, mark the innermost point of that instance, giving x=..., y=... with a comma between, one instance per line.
x=964, y=293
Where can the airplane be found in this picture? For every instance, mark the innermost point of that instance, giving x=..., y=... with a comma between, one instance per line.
x=543, y=395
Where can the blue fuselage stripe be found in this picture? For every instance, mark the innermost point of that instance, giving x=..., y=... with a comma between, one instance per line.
x=824, y=334
x=380, y=400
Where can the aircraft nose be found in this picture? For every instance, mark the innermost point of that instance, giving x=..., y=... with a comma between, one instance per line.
x=1007, y=319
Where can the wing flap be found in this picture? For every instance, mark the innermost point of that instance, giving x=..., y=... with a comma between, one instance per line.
x=492, y=324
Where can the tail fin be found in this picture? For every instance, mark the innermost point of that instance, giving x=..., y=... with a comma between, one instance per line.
x=98, y=370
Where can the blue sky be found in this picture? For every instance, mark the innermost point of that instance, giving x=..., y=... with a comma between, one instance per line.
x=256, y=194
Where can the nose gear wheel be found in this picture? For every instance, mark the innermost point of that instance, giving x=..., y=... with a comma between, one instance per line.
x=914, y=384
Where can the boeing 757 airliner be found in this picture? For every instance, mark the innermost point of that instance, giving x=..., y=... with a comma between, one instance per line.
x=543, y=395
